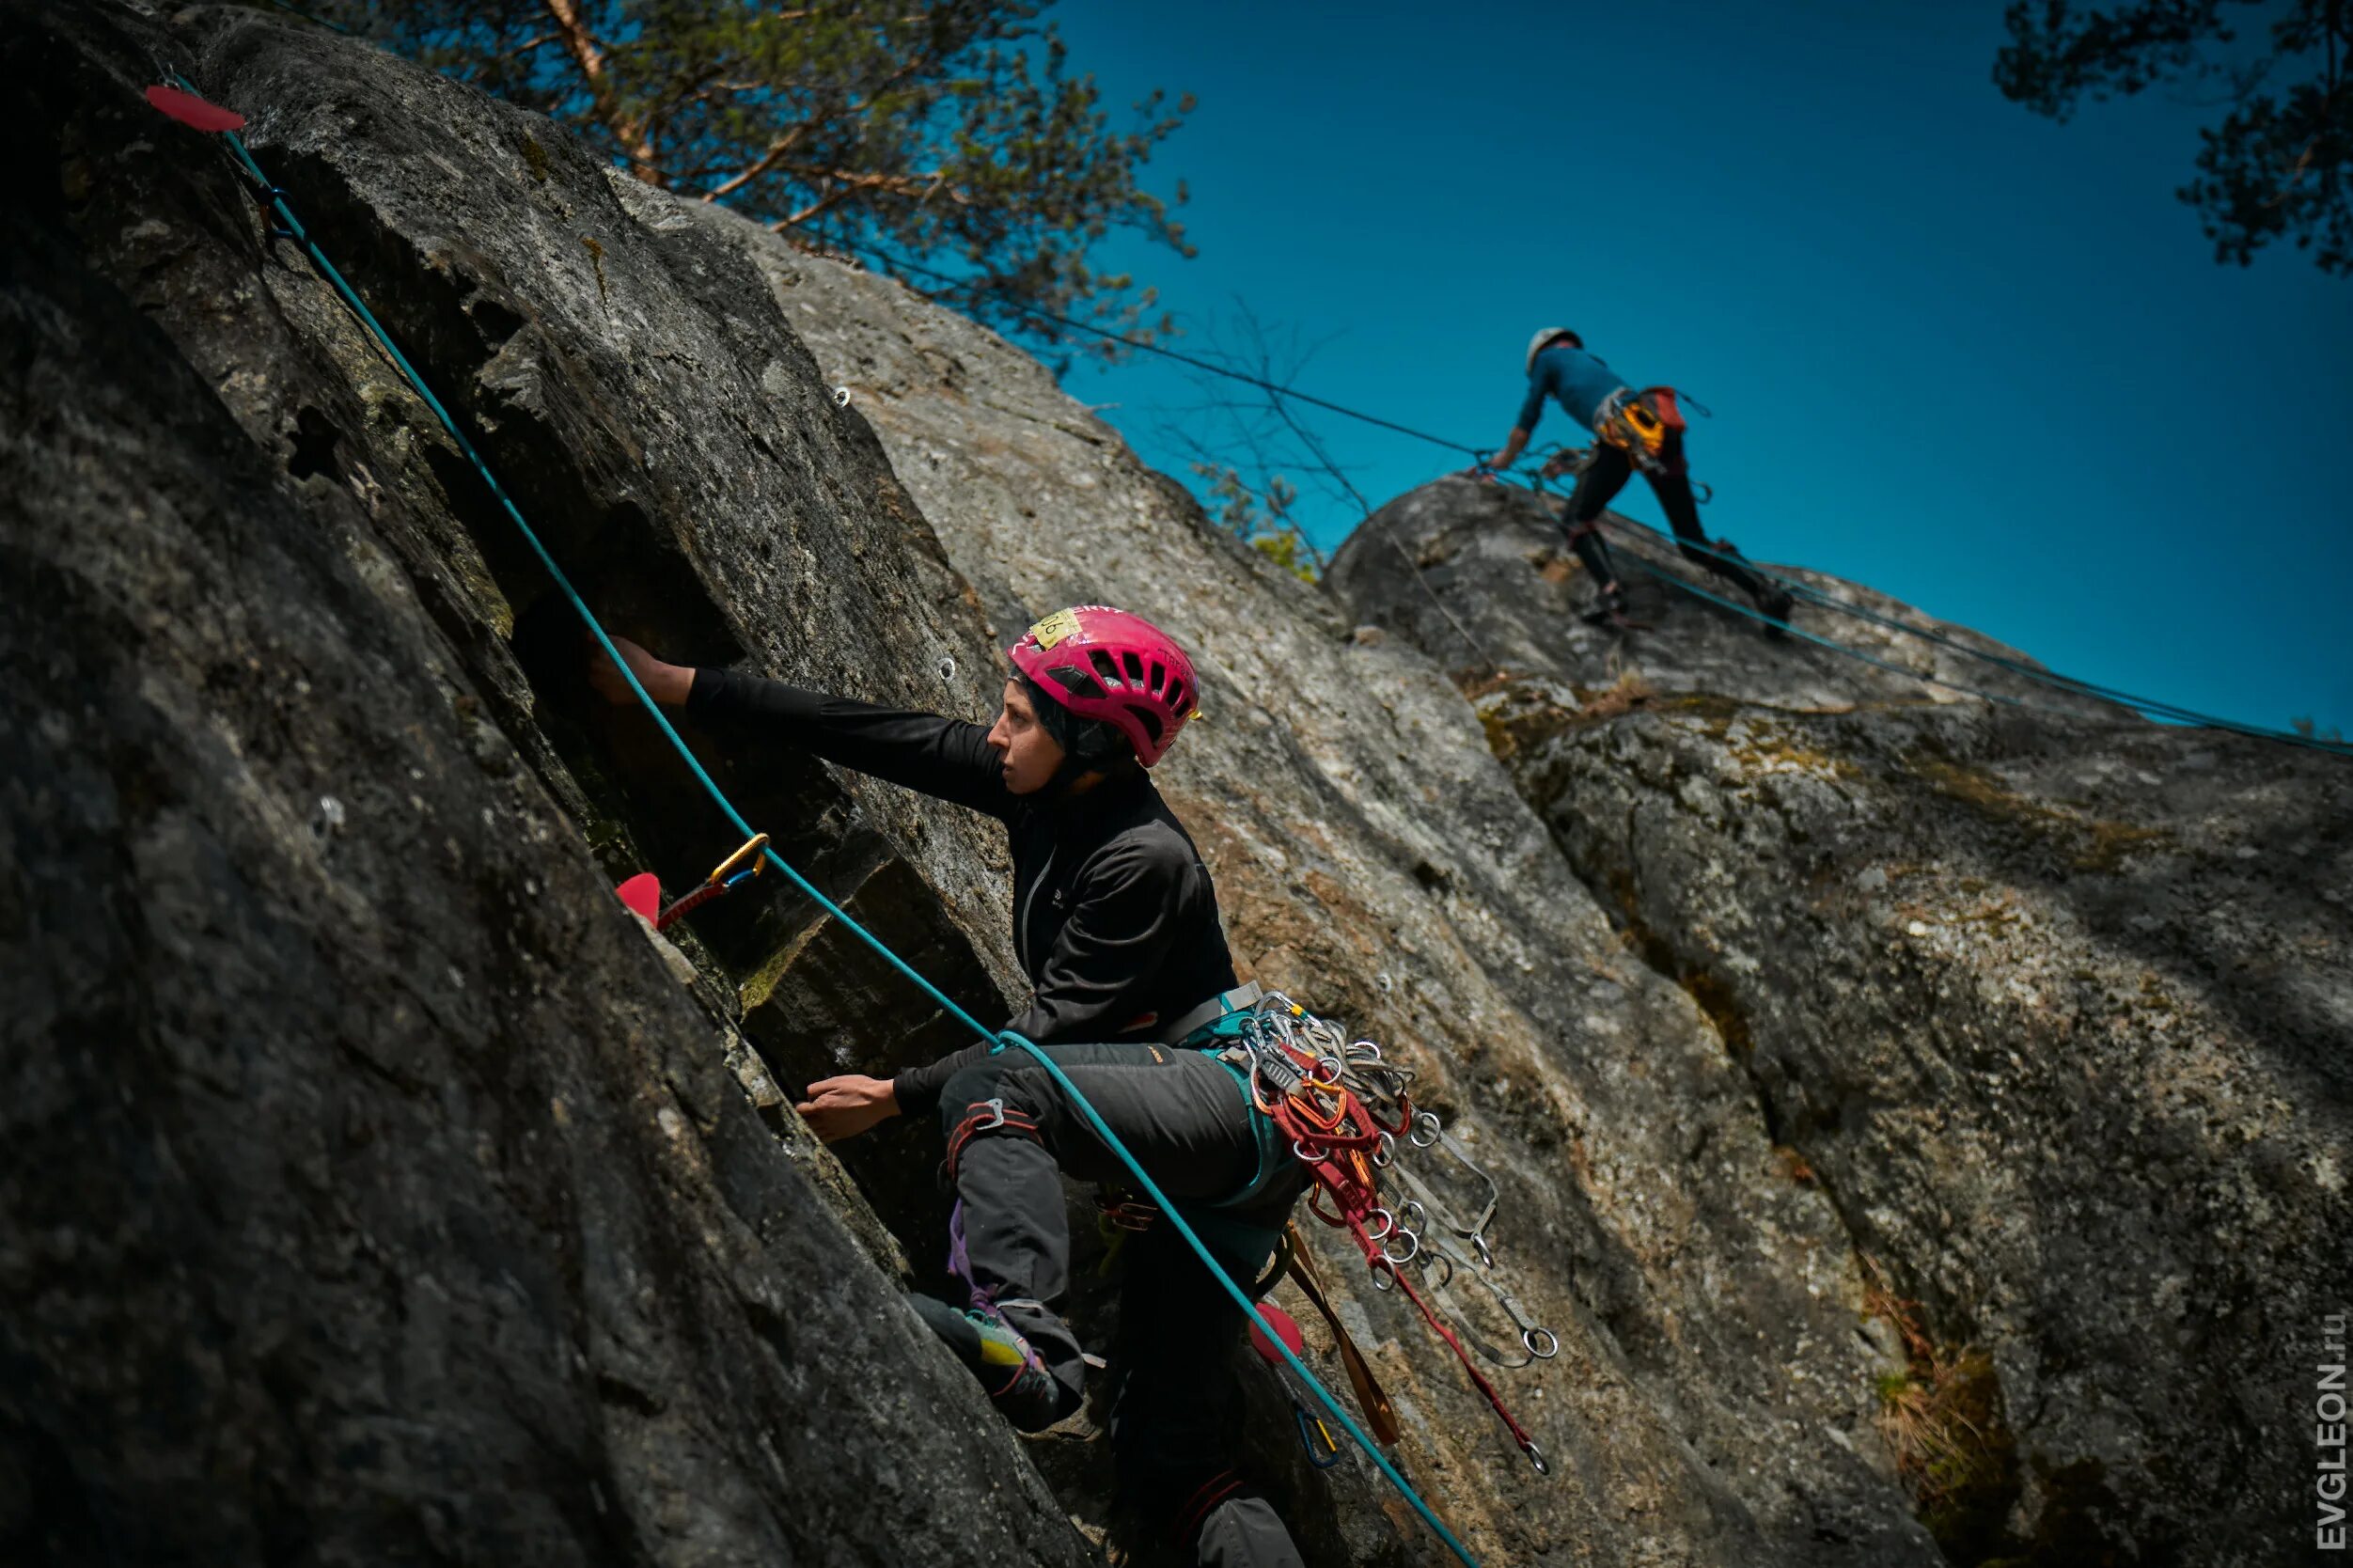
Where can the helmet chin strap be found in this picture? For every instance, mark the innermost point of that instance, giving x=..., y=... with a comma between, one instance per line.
x=1088, y=745
x=1076, y=766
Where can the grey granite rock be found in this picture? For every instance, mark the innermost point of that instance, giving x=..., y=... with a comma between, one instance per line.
x=2052, y=1002
x=376, y=1190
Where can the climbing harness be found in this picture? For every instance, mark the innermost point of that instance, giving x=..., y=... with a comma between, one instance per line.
x=276, y=204
x=1646, y=425
x=989, y=1115
x=643, y=892
x=1338, y=1107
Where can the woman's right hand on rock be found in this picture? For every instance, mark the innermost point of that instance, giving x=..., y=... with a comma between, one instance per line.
x=666, y=684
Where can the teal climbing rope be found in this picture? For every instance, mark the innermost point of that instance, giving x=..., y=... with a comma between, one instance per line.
x=2067, y=684
x=292, y=227
x=2052, y=679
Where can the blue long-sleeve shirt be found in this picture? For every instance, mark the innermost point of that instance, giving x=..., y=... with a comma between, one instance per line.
x=1577, y=379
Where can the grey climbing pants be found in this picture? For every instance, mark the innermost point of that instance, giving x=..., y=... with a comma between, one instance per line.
x=1176, y=1407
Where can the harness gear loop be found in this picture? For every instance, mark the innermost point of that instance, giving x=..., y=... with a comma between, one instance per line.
x=1647, y=426
x=984, y=1116
x=1318, y=1088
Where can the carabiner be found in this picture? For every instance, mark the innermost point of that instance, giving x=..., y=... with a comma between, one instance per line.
x=752, y=846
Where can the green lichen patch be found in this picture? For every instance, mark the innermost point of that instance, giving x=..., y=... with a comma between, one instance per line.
x=2091, y=845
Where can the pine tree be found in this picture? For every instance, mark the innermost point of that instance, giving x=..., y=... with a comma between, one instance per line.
x=944, y=141
x=2277, y=165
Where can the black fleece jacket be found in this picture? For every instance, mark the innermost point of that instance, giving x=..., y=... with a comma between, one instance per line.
x=1115, y=920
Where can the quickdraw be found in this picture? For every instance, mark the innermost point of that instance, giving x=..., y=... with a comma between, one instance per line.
x=643, y=892
x=1447, y=1258
x=1344, y=1110
x=1323, y=1450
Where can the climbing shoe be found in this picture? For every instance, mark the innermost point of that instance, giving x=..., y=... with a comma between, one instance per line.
x=1610, y=610
x=1774, y=600
x=1006, y=1364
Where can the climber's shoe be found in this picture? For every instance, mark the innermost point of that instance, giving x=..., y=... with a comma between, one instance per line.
x=1610, y=610
x=1006, y=1364
x=1774, y=600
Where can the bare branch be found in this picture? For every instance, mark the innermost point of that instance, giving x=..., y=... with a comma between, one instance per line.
x=777, y=150
x=527, y=45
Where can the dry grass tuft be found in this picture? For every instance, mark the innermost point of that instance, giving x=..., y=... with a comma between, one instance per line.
x=1942, y=1418
x=1621, y=697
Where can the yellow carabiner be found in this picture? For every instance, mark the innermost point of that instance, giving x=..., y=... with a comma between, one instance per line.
x=752, y=846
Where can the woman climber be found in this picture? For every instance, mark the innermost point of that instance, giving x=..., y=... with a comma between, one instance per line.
x=1115, y=923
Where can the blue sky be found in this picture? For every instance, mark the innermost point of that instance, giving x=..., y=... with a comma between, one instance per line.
x=1977, y=360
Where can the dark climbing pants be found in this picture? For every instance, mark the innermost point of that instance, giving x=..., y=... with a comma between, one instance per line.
x=1176, y=1410
x=1606, y=474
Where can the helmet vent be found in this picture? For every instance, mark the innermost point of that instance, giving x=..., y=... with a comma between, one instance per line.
x=1107, y=668
x=1145, y=716
x=1135, y=669
x=1175, y=697
x=1075, y=680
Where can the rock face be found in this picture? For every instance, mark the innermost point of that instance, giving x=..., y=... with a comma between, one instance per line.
x=374, y=1192
x=2051, y=1003
x=375, y=1187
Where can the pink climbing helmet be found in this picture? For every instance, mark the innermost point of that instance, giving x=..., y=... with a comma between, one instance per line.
x=1119, y=668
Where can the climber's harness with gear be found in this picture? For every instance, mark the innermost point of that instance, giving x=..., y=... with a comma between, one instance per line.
x=1647, y=426
x=1337, y=1107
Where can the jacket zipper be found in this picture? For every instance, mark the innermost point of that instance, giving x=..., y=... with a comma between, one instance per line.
x=1021, y=935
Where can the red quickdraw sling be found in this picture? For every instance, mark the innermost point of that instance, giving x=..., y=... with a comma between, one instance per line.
x=1332, y=1131
x=1337, y=1150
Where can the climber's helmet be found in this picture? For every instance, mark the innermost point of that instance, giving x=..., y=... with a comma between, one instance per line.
x=1548, y=336
x=1109, y=680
